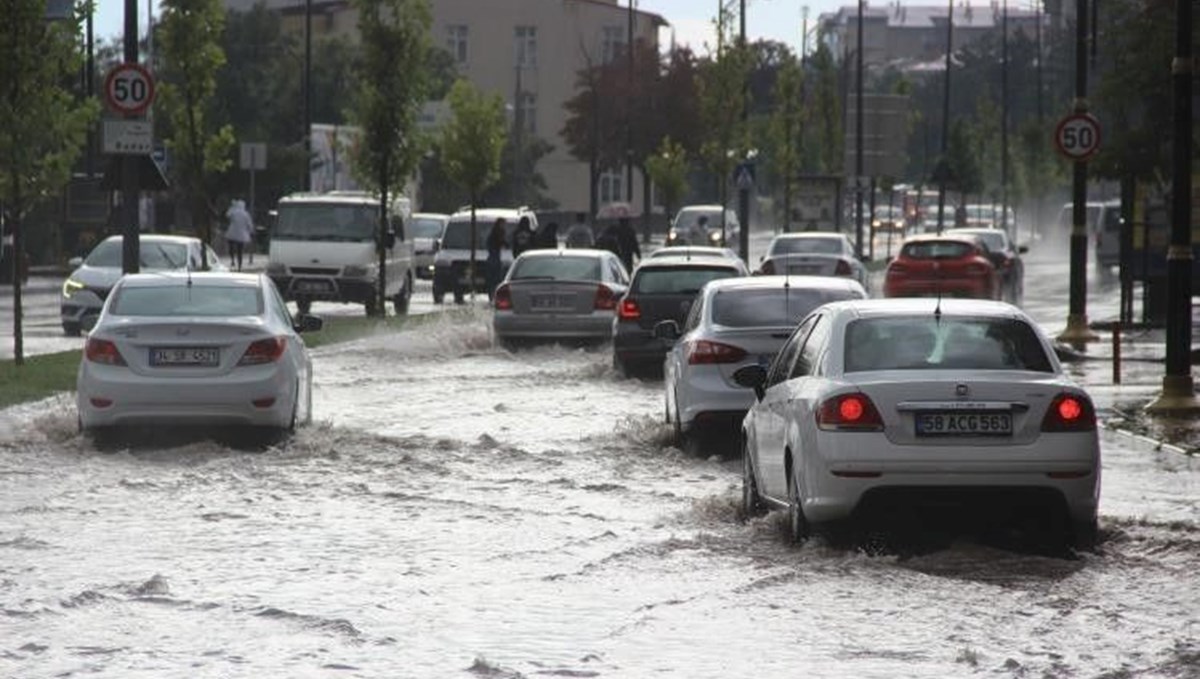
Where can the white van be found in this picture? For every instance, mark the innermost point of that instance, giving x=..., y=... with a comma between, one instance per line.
x=323, y=248
x=1103, y=229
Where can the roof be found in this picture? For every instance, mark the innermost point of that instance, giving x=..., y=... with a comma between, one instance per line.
x=198, y=278
x=329, y=198
x=656, y=18
x=160, y=238
x=491, y=213
x=778, y=283
x=430, y=215
x=907, y=306
x=823, y=235
x=565, y=252
x=678, y=262
x=945, y=235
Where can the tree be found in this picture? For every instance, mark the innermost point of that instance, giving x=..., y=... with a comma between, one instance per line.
x=42, y=125
x=471, y=144
x=668, y=169
x=785, y=131
x=190, y=42
x=824, y=139
x=722, y=98
x=389, y=93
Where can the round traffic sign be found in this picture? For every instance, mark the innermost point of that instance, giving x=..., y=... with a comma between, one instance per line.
x=129, y=89
x=1077, y=136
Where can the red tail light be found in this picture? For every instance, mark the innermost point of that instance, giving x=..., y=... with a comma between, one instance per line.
x=502, y=298
x=103, y=351
x=605, y=299
x=264, y=351
x=843, y=268
x=629, y=310
x=849, y=412
x=767, y=268
x=706, y=352
x=1069, y=412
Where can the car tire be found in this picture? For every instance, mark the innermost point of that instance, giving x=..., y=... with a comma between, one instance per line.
x=304, y=305
x=72, y=329
x=371, y=307
x=1085, y=535
x=400, y=302
x=678, y=436
x=798, y=527
x=752, y=504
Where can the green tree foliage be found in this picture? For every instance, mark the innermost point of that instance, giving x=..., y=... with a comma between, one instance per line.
x=722, y=96
x=962, y=159
x=824, y=136
x=189, y=41
x=42, y=124
x=668, y=169
x=786, y=128
x=471, y=146
x=520, y=181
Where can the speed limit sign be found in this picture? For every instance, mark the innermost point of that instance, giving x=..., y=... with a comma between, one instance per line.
x=1077, y=136
x=129, y=89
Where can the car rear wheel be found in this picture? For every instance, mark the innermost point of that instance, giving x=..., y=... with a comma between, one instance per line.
x=1085, y=535
x=798, y=528
x=752, y=504
x=400, y=302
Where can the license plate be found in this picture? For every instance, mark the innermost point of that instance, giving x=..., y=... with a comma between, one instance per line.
x=805, y=269
x=190, y=356
x=550, y=301
x=314, y=286
x=964, y=424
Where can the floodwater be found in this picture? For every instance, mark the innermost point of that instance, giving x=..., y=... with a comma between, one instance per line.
x=461, y=511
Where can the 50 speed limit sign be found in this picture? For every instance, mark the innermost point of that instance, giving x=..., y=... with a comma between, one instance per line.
x=1077, y=136
x=129, y=89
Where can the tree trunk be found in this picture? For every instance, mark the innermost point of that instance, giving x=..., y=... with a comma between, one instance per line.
x=645, y=205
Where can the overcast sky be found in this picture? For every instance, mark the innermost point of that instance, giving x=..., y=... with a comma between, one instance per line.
x=690, y=19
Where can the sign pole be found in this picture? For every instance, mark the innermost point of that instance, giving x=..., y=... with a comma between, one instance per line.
x=130, y=228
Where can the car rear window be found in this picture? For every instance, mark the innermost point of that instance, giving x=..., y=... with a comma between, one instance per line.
x=820, y=246
x=927, y=343
x=151, y=255
x=936, y=249
x=180, y=300
x=678, y=280
x=771, y=308
x=563, y=268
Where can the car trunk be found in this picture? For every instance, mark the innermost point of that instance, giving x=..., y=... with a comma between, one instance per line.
x=760, y=345
x=181, y=347
x=553, y=296
x=806, y=265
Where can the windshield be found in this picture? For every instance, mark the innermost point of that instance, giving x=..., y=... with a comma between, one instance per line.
x=425, y=227
x=327, y=222
x=458, y=234
x=151, y=255
x=181, y=300
x=678, y=280
x=557, y=268
x=821, y=246
x=771, y=308
x=927, y=343
x=936, y=249
x=691, y=216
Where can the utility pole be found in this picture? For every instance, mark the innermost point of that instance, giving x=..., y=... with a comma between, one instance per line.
x=858, y=138
x=743, y=189
x=1004, y=119
x=308, y=96
x=629, y=107
x=1178, y=393
x=942, y=164
x=130, y=247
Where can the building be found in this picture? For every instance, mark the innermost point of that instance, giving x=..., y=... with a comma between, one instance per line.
x=907, y=35
x=527, y=51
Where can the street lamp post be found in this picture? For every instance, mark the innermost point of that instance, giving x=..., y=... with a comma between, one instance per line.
x=858, y=136
x=307, y=95
x=744, y=188
x=629, y=107
x=1004, y=119
x=130, y=247
x=942, y=165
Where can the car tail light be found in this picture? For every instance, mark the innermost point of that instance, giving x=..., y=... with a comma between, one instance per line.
x=502, y=298
x=629, y=310
x=843, y=268
x=975, y=270
x=849, y=412
x=707, y=352
x=263, y=402
x=264, y=351
x=103, y=351
x=605, y=299
x=767, y=268
x=1069, y=412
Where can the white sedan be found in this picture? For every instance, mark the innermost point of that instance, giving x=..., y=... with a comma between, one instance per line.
x=913, y=403
x=814, y=253
x=199, y=348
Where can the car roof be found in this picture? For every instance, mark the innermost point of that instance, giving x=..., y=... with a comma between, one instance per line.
x=909, y=306
x=493, y=213
x=683, y=262
x=807, y=235
x=693, y=250
x=160, y=238
x=778, y=282
x=565, y=252
x=348, y=198
x=160, y=279
x=430, y=215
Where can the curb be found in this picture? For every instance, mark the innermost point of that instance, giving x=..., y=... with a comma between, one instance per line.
x=1152, y=442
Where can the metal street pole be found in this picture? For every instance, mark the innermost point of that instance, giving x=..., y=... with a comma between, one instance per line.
x=858, y=138
x=307, y=95
x=130, y=247
x=744, y=191
x=941, y=222
x=1178, y=393
x=629, y=108
x=1077, y=331
x=1004, y=121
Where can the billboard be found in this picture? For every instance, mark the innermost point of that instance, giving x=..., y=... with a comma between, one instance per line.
x=329, y=166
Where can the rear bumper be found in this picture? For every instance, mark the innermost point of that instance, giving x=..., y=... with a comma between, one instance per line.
x=705, y=399
x=948, y=287
x=633, y=344
x=594, y=326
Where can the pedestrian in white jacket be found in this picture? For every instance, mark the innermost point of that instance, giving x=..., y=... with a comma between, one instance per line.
x=239, y=231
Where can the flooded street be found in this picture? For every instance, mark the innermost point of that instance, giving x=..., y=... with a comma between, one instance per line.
x=458, y=510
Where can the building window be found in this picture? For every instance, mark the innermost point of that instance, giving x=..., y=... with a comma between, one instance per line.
x=526, y=43
x=612, y=43
x=528, y=112
x=456, y=43
x=611, y=185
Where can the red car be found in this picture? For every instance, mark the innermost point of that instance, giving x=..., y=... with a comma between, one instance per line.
x=953, y=266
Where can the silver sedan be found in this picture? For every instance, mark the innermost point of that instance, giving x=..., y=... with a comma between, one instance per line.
x=559, y=295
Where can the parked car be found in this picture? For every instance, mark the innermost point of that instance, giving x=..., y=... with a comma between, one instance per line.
x=453, y=258
x=559, y=295
x=84, y=291
x=196, y=348
x=427, y=229
x=813, y=253
x=880, y=405
x=1005, y=256
x=324, y=247
x=735, y=322
x=951, y=266
x=662, y=288
x=693, y=251
x=702, y=225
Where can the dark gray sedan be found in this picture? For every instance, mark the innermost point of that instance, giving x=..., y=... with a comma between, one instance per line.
x=553, y=295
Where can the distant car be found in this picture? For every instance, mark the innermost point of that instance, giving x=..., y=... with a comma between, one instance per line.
x=427, y=229
x=454, y=256
x=693, y=251
x=84, y=291
x=735, y=322
x=177, y=348
x=886, y=405
x=813, y=253
x=950, y=266
x=1005, y=256
x=702, y=225
x=559, y=294
x=662, y=288
x=1107, y=235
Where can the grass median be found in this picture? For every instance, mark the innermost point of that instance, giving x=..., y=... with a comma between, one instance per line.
x=44, y=375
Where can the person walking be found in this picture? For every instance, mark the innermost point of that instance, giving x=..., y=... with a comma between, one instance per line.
x=580, y=234
x=627, y=243
x=493, y=268
x=239, y=231
x=522, y=238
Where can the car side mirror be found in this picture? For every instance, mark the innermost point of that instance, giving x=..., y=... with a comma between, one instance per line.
x=1022, y=249
x=308, y=323
x=667, y=330
x=75, y=262
x=752, y=377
